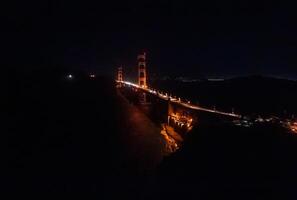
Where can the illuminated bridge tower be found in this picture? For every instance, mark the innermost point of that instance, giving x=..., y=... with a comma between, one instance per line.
x=119, y=77
x=120, y=74
x=142, y=76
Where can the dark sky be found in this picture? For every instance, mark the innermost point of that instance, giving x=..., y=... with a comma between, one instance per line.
x=181, y=38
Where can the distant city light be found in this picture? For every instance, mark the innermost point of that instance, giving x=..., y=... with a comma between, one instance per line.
x=215, y=79
x=69, y=76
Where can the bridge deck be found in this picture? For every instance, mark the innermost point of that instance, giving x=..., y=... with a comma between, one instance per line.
x=178, y=101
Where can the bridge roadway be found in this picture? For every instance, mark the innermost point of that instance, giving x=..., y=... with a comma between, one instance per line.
x=178, y=101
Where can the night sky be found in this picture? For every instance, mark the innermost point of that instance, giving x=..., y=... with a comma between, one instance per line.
x=198, y=38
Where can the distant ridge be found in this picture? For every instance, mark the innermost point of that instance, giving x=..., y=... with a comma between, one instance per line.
x=260, y=77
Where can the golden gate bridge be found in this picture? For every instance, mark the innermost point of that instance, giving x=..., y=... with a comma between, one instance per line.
x=142, y=85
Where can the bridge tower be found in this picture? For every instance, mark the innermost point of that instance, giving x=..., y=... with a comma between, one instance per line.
x=142, y=75
x=119, y=77
x=120, y=74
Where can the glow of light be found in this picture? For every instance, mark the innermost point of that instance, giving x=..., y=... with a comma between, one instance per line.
x=69, y=76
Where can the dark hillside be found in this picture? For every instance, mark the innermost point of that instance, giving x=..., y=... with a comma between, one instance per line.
x=229, y=162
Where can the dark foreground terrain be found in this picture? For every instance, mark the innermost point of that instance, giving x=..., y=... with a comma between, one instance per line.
x=227, y=162
x=75, y=138
x=80, y=139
